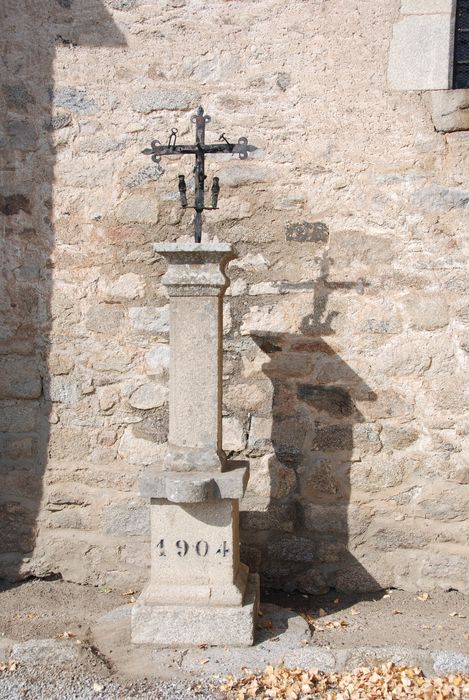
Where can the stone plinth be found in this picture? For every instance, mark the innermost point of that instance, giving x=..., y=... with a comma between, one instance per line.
x=199, y=591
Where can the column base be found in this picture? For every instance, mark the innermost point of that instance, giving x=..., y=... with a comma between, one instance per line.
x=193, y=625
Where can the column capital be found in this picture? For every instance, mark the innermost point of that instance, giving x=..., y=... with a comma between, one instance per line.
x=195, y=269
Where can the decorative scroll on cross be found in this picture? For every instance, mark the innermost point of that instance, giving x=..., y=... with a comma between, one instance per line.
x=199, y=149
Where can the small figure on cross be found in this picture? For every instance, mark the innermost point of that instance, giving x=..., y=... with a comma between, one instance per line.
x=199, y=149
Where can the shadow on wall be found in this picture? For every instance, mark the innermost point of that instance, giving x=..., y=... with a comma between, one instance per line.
x=30, y=33
x=305, y=535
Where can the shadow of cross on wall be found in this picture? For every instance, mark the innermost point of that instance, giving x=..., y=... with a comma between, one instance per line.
x=33, y=112
x=308, y=532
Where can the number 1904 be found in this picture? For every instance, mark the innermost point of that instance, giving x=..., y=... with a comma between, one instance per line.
x=182, y=548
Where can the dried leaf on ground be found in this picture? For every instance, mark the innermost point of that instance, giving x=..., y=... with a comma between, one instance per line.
x=388, y=682
x=331, y=624
x=309, y=618
x=9, y=666
x=424, y=596
x=264, y=625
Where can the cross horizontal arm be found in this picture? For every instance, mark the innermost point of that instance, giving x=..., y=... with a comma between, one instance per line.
x=208, y=148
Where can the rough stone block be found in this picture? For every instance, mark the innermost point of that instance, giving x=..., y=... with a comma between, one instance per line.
x=75, y=99
x=138, y=209
x=157, y=360
x=19, y=378
x=426, y=311
x=22, y=135
x=163, y=98
x=316, y=232
x=19, y=416
x=138, y=450
x=148, y=396
x=126, y=287
x=151, y=319
x=46, y=652
x=234, y=434
x=446, y=663
x=190, y=625
x=126, y=519
x=450, y=110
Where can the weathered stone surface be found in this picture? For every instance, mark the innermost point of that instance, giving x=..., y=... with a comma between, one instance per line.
x=260, y=434
x=236, y=175
x=17, y=95
x=150, y=318
x=75, y=99
x=245, y=396
x=307, y=231
x=427, y=311
x=46, y=652
x=164, y=98
x=311, y=657
x=270, y=477
x=18, y=416
x=149, y=395
x=437, y=197
x=63, y=390
x=126, y=287
x=138, y=209
x=104, y=318
x=138, y=450
x=158, y=360
x=126, y=519
x=19, y=378
x=234, y=434
x=450, y=110
x=22, y=135
x=151, y=173
x=351, y=276
x=446, y=663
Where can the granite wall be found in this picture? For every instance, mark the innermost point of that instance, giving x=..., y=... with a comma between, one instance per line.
x=346, y=322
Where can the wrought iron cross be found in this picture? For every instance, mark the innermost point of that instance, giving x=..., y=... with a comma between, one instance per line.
x=199, y=149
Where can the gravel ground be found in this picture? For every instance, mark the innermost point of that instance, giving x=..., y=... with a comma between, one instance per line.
x=57, y=635
x=48, y=684
x=39, y=608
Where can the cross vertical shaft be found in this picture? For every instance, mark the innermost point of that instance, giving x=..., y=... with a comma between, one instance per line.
x=200, y=120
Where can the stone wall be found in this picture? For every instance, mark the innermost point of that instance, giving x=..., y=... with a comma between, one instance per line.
x=346, y=321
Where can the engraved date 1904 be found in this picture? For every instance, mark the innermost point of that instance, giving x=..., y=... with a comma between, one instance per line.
x=182, y=548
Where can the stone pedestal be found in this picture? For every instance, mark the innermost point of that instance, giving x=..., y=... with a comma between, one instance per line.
x=199, y=591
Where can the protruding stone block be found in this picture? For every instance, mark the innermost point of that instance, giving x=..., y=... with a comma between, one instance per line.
x=179, y=487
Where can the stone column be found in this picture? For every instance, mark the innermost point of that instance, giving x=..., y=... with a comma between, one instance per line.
x=196, y=283
x=199, y=591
